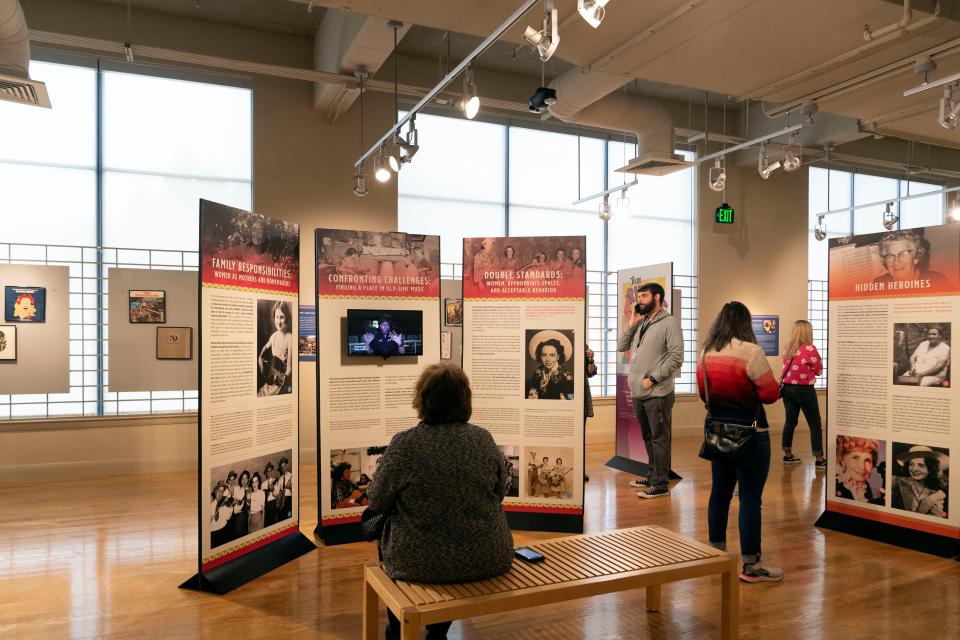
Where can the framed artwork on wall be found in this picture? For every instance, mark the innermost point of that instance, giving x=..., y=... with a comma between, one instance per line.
x=453, y=312
x=147, y=306
x=25, y=304
x=174, y=343
x=8, y=343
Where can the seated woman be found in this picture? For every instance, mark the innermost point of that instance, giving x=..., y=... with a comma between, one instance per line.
x=442, y=484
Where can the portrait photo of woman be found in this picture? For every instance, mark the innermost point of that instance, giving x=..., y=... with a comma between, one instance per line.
x=860, y=469
x=549, y=377
x=905, y=255
x=919, y=483
x=275, y=358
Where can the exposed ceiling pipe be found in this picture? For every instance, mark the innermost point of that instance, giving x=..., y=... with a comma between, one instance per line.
x=15, y=83
x=896, y=27
x=592, y=99
x=822, y=67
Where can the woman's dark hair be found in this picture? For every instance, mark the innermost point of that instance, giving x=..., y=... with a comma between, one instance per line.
x=932, y=481
x=552, y=342
x=509, y=247
x=442, y=395
x=256, y=476
x=337, y=472
x=244, y=473
x=733, y=321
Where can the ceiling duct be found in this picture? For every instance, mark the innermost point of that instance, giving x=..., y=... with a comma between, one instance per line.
x=15, y=82
x=588, y=99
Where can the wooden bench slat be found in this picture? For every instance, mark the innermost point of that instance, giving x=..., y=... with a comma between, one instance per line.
x=629, y=554
x=572, y=560
x=595, y=556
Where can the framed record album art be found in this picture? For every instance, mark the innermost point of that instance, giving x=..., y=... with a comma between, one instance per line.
x=147, y=307
x=8, y=343
x=174, y=343
x=25, y=304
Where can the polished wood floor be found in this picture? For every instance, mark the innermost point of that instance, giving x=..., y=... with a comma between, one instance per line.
x=102, y=558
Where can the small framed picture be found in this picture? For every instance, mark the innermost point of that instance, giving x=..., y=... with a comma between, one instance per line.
x=25, y=304
x=8, y=343
x=453, y=312
x=174, y=343
x=446, y=344
x=147, y=307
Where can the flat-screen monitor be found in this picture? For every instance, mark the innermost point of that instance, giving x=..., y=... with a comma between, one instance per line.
x=384, y=332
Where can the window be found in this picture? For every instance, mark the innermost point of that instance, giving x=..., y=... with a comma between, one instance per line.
x=472, y=179
x=164, y=144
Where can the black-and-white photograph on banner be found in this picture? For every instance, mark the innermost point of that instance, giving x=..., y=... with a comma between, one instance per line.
x=377, y=253
x=920, y=479
x=551, y=472
x=274, y=348
x=861, y=469
x=511, y=453
x=921, y=354
x=549, y=364
x=249, y=495
x=351, y=471
x=8, y=343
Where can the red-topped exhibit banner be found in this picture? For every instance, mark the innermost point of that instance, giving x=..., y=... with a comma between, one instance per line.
x=896, y=264
x=524, y=268
x=375, y=264
x=248, y=251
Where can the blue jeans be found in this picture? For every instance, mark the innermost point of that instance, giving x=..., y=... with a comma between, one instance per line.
x=751, y=477
x=797, y=398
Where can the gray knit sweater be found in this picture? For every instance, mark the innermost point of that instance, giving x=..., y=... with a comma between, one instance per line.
x=444, y=485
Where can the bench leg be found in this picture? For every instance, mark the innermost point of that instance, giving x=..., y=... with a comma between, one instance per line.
x=730, y=605
x=653, y=597
x=371, y=612
x=410, y=627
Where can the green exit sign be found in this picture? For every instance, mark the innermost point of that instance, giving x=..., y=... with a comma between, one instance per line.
x=724, y=214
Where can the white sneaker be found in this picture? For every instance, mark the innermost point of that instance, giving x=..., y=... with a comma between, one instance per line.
x=757, y=572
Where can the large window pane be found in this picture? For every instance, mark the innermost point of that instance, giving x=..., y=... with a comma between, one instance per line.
x=63, y=135
x=159, y=125
x=837, y=225
x=868, y=189
x=48, y=205
x=159, y=212
x=530, y=221
x=454, y=220
x=921, y=212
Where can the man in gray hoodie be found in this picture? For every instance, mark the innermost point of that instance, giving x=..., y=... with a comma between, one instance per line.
x=655, y=340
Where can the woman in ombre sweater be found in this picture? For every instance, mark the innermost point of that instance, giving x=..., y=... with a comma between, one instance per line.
x=741, y=382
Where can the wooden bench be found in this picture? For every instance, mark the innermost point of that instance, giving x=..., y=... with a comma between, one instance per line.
x=575, y=567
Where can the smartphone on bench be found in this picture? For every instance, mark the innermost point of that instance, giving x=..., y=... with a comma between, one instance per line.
x=528, y=554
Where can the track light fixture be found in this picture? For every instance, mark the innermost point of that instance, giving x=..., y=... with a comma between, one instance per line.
x=380, y=171
x=469, y=103
x=605, y=213
x=717, y=178
x=949, y=108
x=542, y=99
x=791, y=156
x=592, y=11
x=820, y=231
x=547, y=39
x=764, y=167
x=890, y=217
x=360, y=183
x=394, y=161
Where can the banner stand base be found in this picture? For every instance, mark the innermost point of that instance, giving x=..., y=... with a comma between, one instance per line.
x=340, y=534
x=635, y=467
x=890, y=534
x=236, y=573
x=552, y=522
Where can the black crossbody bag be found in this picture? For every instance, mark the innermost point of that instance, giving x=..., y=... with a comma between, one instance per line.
x=724, y=441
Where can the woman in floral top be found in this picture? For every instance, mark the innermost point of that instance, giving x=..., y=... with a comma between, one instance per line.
x=801, y=366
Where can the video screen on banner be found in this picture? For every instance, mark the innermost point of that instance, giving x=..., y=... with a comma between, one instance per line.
x=893, y=416
x=384, y=332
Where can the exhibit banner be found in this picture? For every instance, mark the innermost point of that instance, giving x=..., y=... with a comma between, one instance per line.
x=378, y=326
x=631, y=452
x=524, y=329
x=767, y=330
x=893, y=419
x=307, y=340
x=249, y=395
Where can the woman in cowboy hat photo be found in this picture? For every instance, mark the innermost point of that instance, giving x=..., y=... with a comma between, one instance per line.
x=918, y=487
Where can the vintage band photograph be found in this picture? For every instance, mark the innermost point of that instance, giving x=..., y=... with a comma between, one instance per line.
x=8, y=343
x=147, y=307
x=861, y=469
x=920, y=479
x=174, y=343
x=549, y=364
x=234, y=234
x=453, y=312
x=511, y=453
x=921, y=354
x=351, y=471
x=563, y=255
x=551, y=472
x=274, y=348
x=249, y=495
x=25, y=304
x=378, y=254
